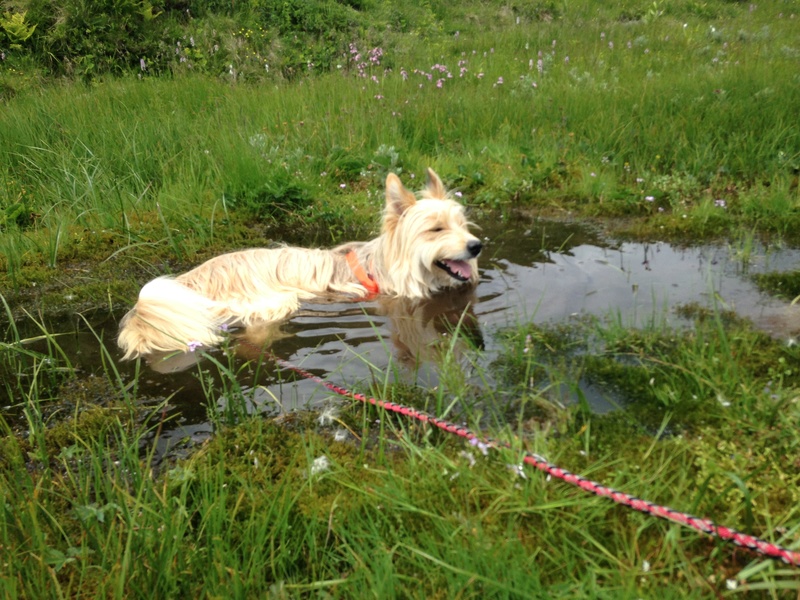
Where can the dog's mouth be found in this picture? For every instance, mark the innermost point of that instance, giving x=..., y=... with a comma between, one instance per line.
x=457, y=269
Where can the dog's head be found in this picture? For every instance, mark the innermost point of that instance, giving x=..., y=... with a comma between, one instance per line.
x=428, y=238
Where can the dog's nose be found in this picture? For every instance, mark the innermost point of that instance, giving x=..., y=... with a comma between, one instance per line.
x=474, y=247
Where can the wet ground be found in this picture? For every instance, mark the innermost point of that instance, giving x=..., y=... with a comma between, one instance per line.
x=537, y=270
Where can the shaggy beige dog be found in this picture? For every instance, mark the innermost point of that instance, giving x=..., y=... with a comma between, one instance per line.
x=425, y=247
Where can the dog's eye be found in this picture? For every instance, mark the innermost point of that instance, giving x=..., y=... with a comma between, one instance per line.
x=437, y=229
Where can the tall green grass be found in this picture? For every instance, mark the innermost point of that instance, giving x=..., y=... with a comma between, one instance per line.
x=666, y=112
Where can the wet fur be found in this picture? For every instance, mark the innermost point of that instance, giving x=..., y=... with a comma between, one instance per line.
x=263, y=285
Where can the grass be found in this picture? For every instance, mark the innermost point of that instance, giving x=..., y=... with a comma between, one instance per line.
x=584, y=113
x=666, y=120
x=341, y=505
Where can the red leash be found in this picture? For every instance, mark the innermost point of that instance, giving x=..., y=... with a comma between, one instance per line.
x=791, y=557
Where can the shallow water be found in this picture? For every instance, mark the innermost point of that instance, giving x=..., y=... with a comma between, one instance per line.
x=538, y=270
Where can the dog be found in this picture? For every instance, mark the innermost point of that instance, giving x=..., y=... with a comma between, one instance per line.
x=425, y=248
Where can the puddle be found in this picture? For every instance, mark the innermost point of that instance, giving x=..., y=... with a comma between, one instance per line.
x=531, y=270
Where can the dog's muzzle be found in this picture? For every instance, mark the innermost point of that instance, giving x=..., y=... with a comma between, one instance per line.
x=461, y=270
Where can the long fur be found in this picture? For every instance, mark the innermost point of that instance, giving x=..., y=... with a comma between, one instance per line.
x=425, y=247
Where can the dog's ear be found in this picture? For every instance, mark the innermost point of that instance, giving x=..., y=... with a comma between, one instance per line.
x=435, y=186
x=398, y=198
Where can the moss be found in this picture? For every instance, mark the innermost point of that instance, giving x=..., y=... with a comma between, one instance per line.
x=784, y=285
x=754, y=474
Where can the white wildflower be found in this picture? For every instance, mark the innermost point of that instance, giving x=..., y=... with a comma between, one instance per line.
x=320, y=465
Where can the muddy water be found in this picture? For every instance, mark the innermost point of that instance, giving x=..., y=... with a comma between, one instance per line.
x=536, y=270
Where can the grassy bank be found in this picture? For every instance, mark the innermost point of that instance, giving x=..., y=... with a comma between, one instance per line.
x=665, y=120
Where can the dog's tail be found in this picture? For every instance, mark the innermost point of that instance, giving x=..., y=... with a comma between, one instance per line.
x=169, y=316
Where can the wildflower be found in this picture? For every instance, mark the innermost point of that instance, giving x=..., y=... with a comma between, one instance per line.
x=224, y=327
x=340, y=435
x=142, y=64
x=439, y=83
x=639, y=180
x=518, y=470
x=499, y=81
x=192, y=346
x=592, y=174
x=719, y=202
x=458, y=194
x=528, y=342
x=320, y=465
x=469, y=456
x=610, y=45
x=378, y=97
x=731, y=584
x=649, y=198
x=482, y=446
x=342, y=185
x=645, y=566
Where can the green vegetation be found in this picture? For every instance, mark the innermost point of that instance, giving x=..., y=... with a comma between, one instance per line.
x=679, y=118
x=137, y=138
x=334, y=504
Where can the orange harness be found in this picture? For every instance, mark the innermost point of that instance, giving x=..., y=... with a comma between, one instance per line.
x=361, y=274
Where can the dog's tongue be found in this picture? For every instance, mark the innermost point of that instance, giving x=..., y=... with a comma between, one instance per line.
x=459, y=267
